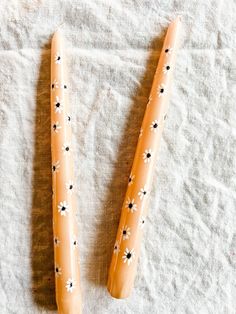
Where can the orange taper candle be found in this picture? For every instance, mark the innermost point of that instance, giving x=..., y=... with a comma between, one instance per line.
x=127, y=246
x=66, y=255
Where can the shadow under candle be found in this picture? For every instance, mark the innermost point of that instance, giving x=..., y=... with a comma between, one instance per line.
x=112, y=204
x=42, y=256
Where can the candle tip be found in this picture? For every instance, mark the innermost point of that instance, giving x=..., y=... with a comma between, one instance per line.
x=176, y=21
x=58, y=32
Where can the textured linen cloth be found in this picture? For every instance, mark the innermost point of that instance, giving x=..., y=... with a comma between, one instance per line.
x=188, y=256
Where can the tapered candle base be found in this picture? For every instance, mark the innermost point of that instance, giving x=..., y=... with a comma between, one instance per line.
x=118, y=287
x=71, y=306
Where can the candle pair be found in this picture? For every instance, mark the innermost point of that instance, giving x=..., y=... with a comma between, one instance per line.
x=127, y=245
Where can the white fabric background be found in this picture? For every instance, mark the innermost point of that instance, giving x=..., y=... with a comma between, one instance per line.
x=188, y=258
